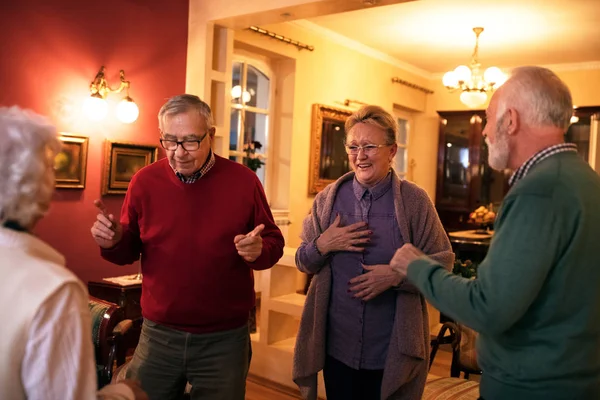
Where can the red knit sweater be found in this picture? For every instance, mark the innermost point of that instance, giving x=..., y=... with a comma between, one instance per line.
x=194, y=280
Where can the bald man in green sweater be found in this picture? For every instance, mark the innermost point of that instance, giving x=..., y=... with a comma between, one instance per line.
x=536, y=300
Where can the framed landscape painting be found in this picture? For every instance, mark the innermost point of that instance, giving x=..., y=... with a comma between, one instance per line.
x=121, y=161
x=70, y=163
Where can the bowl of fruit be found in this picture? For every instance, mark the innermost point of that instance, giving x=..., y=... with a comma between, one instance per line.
x=484, y=218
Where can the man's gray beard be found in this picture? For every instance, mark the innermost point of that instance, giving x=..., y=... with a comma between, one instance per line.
x=499, y=151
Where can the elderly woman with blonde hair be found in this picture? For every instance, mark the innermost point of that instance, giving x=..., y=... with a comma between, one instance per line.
x=362, y=325
x=46, y=349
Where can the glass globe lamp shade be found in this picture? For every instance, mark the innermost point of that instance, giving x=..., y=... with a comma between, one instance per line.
x=463, y=73
x=473, y=99
x=493, y=75
x=450, y=80
x=127, y=110
x=95, y=107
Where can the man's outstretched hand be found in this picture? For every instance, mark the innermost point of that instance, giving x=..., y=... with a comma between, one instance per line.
x=249, y=246
x=106, y=231
x=403, y=257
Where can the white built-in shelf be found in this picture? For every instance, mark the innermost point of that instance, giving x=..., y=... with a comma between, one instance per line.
x=289, y=257
x=289, y=304
x=286, y=345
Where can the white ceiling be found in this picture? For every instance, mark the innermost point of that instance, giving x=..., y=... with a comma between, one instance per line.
x=436, y=35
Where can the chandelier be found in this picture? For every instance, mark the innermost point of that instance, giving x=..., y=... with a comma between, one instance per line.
x=469, y=80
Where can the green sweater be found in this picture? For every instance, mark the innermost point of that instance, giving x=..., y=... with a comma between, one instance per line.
x=536, y=300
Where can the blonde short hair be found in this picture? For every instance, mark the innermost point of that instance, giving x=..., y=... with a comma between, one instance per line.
x=377, y=116
x=28, y=145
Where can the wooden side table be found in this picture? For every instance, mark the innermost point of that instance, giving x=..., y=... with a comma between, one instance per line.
x=127, y=297
x=468, y=245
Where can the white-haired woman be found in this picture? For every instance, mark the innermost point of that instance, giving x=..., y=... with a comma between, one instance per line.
x=46, y=350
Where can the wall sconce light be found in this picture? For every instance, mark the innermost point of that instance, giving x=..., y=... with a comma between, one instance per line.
x=95, y=106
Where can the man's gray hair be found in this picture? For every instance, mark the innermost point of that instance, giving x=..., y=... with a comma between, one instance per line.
x=183, y=103
x=540, y=97
x=28, y=145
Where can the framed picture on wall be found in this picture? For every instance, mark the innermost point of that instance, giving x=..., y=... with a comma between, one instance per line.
x=328, y=158
x=121, y=161
x=71, y=162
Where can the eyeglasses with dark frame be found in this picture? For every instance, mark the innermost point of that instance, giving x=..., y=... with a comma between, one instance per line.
x=188, y=145
x=368, y=149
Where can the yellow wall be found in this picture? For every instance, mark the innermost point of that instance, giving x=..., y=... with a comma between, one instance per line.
x=329, y=75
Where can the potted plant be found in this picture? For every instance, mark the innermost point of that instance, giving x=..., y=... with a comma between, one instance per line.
x=465, y=269
x=252, y=159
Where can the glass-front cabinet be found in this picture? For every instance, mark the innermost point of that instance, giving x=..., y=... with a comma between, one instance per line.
x=584, y=132
x=464, y=179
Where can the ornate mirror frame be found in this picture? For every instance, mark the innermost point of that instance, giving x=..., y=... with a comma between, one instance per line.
x=320, y=114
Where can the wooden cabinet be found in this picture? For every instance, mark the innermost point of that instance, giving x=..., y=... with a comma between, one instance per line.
x=464, y=179
x=127, y=297
x=584, y=132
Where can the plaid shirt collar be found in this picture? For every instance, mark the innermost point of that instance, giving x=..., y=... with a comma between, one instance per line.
x=208, y=164
x=523, y=170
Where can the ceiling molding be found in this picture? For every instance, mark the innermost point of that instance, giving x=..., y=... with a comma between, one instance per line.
x=589, y=65
x=379, y=55
x=361, y=48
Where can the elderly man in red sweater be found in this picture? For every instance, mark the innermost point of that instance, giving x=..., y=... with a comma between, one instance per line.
x=201, y=224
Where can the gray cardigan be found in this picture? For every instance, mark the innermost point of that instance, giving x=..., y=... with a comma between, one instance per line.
x=407, y=362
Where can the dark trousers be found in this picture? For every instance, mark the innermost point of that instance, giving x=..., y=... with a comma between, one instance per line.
x=215, y=364
x=345, y=383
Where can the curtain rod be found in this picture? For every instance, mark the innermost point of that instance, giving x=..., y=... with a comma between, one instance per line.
x=273, y=35
x=412, y=85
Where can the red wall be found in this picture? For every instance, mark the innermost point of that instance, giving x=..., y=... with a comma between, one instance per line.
x=49, y=53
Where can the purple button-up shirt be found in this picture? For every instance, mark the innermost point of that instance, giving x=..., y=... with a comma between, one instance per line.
x=358, y=333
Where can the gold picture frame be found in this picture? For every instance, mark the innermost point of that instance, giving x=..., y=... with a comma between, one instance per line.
x=121, y=161
x=70, y=164
x=328, y=159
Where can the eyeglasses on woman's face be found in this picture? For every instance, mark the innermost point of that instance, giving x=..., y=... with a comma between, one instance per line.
x=368, y=149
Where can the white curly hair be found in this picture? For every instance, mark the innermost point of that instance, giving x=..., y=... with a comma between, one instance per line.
x=28, y=145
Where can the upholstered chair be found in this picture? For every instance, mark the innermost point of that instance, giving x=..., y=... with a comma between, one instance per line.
x=464, y=360
x=108, y=330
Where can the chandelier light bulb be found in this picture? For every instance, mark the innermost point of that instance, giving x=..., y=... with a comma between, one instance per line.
x=127, y=111
x=463, y=73
x=493, y=75
x=473, y=99
x=95, y=108
x=450, y=80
